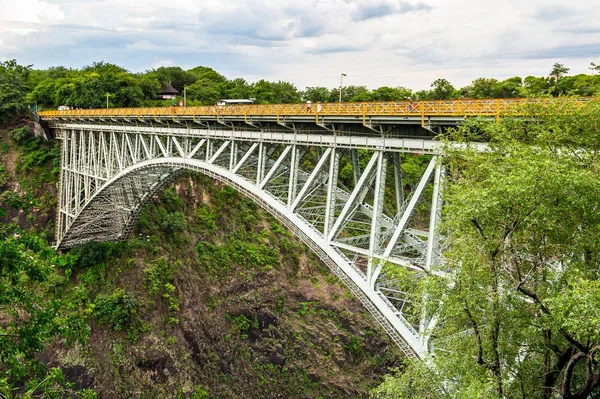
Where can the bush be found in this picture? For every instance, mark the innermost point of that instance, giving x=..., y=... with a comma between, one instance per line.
x=206, y=218
x=96, y=253
x=20, y=134
x=116, y=309
x=174, y=222
x=171, y=201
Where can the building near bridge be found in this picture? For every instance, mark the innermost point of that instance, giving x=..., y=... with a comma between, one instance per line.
x=167, y=92
x=229, y=101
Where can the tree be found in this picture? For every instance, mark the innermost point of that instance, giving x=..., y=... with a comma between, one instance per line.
x=175, y=75
x=594, y=67
x=263, y=92
x=510, y=87
x=13, y=88
x=316, y=93
x=442, y=90
x=237, y=88
x=558, y=71
x=351, y=93
x=286, y=93
x=386, y=93
x=518, y=306
x=149, y=86
x=534, y=86
x=206, y=91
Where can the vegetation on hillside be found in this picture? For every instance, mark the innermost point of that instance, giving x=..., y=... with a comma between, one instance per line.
x=518, y=303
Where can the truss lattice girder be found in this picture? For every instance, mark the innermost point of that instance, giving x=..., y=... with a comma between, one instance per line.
x=110, y=172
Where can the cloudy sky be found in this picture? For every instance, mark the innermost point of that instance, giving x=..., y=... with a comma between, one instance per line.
x=375, y=42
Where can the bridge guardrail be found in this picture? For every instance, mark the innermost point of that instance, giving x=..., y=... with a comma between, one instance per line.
x=462, y=107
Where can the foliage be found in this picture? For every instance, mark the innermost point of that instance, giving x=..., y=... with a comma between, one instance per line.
x=116, y=310
x=316, y=94
x=13, y=88
x=158, y=281
x=518, y=313
x=20, y=134
x=174, y=222
x=89, y=86
x=442, y=90
x=32, y=315
x=558, y=71
x=97, y=253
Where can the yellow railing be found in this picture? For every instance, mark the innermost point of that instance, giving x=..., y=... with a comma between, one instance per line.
x=463, y=107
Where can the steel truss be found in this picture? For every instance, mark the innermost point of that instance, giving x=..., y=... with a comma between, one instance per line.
x=348, y=203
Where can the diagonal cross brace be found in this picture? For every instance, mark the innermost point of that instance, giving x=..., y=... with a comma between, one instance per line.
x=354, y=195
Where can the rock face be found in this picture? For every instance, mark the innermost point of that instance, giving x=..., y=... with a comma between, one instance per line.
x=212, y=297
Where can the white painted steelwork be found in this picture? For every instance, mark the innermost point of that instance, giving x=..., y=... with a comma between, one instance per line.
x=356, y=218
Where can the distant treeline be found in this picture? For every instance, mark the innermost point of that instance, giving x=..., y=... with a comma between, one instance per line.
x=91, y=86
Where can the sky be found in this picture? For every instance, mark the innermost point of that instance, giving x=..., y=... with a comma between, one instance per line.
x=310, y=43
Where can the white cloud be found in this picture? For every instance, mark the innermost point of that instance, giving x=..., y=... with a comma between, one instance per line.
x=376, y=42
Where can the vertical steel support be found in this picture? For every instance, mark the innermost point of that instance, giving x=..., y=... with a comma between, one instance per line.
x=375, y=239
x=61, y=187
x=334, y=162
x=354, y=160
x=398, y=182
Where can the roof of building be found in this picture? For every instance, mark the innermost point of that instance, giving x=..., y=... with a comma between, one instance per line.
x=236, y=101
x=166, y=88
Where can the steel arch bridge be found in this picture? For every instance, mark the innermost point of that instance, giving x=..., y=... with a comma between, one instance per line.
x=335, y=181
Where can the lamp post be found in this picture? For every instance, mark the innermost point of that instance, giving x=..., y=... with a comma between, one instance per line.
x=341, y=78
x=185, y=97
x=107, y=95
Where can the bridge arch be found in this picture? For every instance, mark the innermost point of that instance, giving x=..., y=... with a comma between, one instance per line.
x=169, y=168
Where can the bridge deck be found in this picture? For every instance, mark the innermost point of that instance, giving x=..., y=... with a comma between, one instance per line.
x=412, y=109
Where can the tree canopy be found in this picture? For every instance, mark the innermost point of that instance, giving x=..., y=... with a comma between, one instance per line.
x=518, y=308
x=88, y=87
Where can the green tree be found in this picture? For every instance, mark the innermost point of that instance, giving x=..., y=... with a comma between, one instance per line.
x=442, y=90
x=205, y=91
x=13, y=88
x=286, y=93
x=386, y=93
x=557, y=72
x=263, y=92
x=149, y=86
x=316, y=93
x=237, y=88
x=174, y=75
x=510, y=87
x=482, y=88
x=518, y=314
x=351, y=93
x=534, y=86
x=594, y=67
